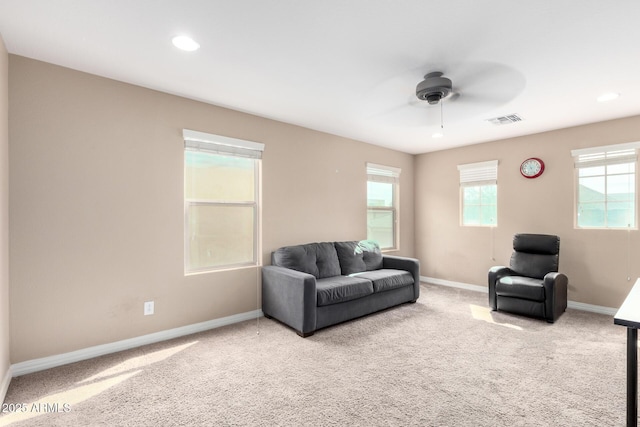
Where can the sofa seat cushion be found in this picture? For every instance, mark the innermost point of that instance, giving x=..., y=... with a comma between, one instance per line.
x=520, y=287
x=334, y=290
x=386, y=279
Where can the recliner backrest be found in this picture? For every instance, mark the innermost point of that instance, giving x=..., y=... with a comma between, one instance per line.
x=535, y=254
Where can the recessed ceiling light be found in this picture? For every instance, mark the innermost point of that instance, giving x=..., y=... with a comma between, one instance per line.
x=185, y=43
x=609, y=96
x=437, y=135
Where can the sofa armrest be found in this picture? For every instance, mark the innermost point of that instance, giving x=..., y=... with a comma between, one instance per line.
x=496, y=273
x=290, y=296
x=411, y=265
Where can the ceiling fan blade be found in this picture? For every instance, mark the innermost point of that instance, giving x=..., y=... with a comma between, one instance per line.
x=409, y=116
x=391, y=94
x=493, y=82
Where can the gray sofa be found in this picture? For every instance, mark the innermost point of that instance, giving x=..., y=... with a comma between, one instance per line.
x=312, y=286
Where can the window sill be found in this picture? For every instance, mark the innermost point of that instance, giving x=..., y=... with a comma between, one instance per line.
x=607, y=228
x=221, y=269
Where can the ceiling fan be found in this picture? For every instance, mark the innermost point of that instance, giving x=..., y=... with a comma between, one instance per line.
x=480, y=87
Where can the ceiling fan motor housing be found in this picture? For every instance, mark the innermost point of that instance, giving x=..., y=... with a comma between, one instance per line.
x=433, y=88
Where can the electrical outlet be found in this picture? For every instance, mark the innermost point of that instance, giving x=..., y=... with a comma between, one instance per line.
x=148, y=308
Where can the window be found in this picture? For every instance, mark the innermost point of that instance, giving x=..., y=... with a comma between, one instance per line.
x=479, y=193
x=382, y=205
x=606, y=186
x=221, y=183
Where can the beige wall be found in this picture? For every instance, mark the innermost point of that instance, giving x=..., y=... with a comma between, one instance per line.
x=4, y=214
x=96, y=204
x=597, y=262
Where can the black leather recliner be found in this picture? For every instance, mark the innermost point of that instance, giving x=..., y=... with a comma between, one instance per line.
x=531, y=285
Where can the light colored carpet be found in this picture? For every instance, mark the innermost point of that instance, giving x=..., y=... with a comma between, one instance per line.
x=444, y=361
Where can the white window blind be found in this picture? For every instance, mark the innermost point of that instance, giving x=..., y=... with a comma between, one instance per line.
x=479, y=173
x=381, y=173
x=217, y=144
x=605, y=155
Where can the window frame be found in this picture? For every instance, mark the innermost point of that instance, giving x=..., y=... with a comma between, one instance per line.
x=390, y=175
x=228, y=147
x=479, y=174
x=605, y=156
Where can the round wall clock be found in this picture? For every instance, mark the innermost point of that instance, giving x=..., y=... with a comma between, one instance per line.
x=532, y=167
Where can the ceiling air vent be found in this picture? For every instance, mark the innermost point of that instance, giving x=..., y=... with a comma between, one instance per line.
x=505, y=120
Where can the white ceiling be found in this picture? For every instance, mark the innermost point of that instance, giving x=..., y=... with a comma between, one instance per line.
x=350, y=67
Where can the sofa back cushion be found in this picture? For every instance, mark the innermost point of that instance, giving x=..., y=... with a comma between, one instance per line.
x=318, y=259
x=356, y=257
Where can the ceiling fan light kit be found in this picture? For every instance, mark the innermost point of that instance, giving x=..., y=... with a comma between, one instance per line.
x=433, y=88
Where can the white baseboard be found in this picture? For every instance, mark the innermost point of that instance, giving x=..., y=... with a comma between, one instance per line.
x=41, y=364
x=570, y=304
x=610, y=311
x=4, y=385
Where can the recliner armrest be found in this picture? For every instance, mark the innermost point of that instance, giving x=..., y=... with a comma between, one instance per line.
x=555, y=289
x=496, y=273
x=553, y=278
x=411, y=265
x=290, y=296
